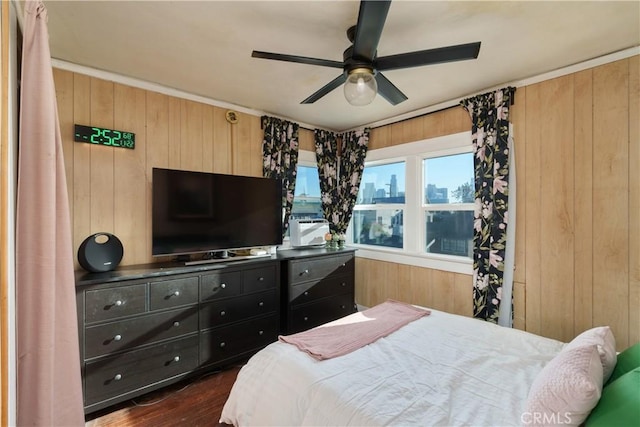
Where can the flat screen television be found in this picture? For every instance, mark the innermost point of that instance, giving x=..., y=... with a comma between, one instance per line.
x=199, y=212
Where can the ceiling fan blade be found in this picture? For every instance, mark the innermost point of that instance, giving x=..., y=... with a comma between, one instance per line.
x=428, y=57
x=389, y=91
x=325, y=89
x=298, y=59
x=371, y=19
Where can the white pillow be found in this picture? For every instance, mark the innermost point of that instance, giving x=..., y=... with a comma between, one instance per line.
x=603, y=338
x=566, y=390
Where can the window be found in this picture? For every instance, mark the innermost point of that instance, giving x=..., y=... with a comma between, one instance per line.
x=307, y=203
x=448, y=204
x=377, y=220
x=416, y=203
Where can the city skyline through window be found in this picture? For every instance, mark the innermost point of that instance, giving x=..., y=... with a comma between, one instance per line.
x=383, y=183
x=449, y=174
x=307, y=203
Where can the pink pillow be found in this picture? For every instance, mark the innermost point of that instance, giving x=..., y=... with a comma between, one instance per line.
x=566, y=390
x=603, y=338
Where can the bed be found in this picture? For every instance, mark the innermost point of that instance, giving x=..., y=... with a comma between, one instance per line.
x=441, y=369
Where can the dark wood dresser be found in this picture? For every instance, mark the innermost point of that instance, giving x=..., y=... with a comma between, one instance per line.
x=318, y=286
x=144, y=327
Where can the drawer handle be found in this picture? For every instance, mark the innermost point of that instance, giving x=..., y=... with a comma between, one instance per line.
x=343, y=307
x=118, y=377
x=222, y=313
x=117, y=337
x=176, y=323
x=343, y=265
x=223, y=285
x=222, y=344
x=118, y=303
x=306, y=293
x=306, y=318
x=305, y=272
x=261, y=304
x=261, y=279
x=260, y=332
x=344, y=284
x=176, y=294
x=176, y=359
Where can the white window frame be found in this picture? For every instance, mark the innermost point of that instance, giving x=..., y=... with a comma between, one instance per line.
x=382, y=206
x=426, y=207
x=414, y=253
x=305, y=158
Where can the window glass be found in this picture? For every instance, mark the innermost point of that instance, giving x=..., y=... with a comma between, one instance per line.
x=378, y=227
x=306, y=201
x=448, y=179
x=425, y=188
x=382, y=184
x=449, y=232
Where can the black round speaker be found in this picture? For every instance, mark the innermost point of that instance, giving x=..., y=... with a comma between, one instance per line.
x=100, y=252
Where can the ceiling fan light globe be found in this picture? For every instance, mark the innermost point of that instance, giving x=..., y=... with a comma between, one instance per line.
x=360, y=88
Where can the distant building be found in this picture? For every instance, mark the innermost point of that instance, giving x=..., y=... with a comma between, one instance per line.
x=305, y=207
x=436, y=195
x=368, y=193
x=393, y=186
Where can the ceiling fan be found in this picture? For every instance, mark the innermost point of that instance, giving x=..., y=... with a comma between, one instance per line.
x=361, y=66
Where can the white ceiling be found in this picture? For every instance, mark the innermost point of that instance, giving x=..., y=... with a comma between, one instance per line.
x=204, y=47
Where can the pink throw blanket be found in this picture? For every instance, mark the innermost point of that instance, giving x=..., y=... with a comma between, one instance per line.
x=345, y=335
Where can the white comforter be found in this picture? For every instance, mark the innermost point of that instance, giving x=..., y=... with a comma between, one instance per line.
x=441, y=370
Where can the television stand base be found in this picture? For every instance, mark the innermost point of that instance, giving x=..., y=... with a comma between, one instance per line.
x=229, y=259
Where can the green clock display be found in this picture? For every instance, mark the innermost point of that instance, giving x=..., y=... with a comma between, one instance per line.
x=102, y=136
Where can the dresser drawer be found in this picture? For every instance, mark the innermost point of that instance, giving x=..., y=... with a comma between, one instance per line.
x=316, y=268
x=111, y=303
x=231, y=310
x=260, y=279
x=228, y=342
x=311, y=315
x=308, y=291
x=126, y=334
x=220, y=285
x=173, y=293
x=112, y=376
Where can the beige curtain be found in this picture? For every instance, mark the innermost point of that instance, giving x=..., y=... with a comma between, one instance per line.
x=49, y=390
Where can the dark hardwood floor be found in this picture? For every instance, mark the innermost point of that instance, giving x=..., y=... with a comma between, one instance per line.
x=193, y=403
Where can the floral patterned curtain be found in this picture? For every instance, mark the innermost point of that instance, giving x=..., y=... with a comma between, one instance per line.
x=491, y=135
x=280, y=158
x=340, y=161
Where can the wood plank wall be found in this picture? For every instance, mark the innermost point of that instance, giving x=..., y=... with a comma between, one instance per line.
x=577, y=140
x=577, y=150
x=110, y=188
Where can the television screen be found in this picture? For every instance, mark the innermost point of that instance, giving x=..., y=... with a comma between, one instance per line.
x=194, y=212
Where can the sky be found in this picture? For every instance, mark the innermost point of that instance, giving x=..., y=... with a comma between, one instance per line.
x=444, y=172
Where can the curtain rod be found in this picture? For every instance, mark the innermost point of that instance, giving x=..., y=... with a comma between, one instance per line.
x=513, y=100
x=419, y=115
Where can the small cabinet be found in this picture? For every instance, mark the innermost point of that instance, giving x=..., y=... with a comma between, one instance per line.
x=319, y=288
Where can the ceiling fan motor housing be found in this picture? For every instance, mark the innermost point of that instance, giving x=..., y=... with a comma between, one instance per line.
x=351, y=63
